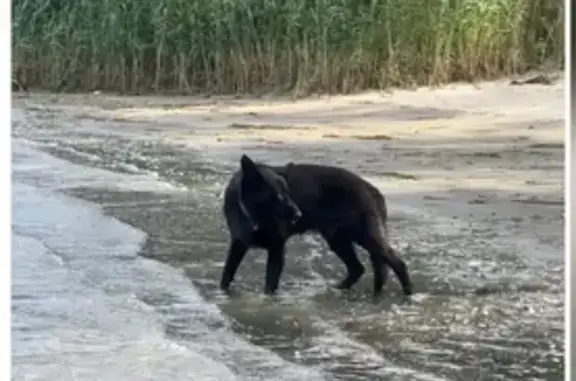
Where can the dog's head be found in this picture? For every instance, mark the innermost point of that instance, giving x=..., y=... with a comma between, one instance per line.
x=265, y=195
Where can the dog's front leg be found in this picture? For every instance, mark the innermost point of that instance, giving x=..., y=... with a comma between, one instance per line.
x=274, y=268
x=236, y=252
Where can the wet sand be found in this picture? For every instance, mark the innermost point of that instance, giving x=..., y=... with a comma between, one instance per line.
x=474, y=182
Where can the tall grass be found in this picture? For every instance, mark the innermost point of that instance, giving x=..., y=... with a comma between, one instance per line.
x=255, y=46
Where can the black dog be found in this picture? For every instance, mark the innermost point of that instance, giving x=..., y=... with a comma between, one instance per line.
x=265, y=205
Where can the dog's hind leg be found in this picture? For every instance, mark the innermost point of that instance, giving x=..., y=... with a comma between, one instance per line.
x=380, y=269
x=236, y=252
x=274, y=267
x=382, y=255
x=399, y=267
x=344, y=249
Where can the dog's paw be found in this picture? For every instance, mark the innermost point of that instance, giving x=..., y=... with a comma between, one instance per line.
x=270, y=291
x=225, y=289
x=342, y=286
x=408, y=290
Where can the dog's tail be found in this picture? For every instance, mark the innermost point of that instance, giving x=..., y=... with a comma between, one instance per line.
x=384, y=217
x=380, y=201
x=383, y=210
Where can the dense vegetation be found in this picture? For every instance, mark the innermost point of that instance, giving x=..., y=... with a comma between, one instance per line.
x=256, y=46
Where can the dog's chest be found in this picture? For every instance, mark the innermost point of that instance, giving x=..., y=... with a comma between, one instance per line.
x=267, y=236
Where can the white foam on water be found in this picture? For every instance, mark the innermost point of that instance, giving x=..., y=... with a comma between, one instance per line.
x=57, y=173
x=79, y=285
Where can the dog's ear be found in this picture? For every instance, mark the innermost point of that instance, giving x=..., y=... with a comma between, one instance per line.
x=249, y=168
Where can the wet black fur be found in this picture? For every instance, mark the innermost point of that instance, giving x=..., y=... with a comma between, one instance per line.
x=265, y=205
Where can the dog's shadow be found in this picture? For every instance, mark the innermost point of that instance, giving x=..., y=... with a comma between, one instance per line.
x=362, y=297
x=294, y=298
x=325, y=297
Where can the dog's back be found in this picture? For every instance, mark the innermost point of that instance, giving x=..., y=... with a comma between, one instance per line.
x=332, y=197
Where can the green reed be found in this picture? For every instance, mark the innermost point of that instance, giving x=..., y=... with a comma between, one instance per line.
x=258, y=46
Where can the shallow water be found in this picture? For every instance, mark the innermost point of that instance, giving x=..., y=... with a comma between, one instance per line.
x=87, y=306
x=118, y=248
